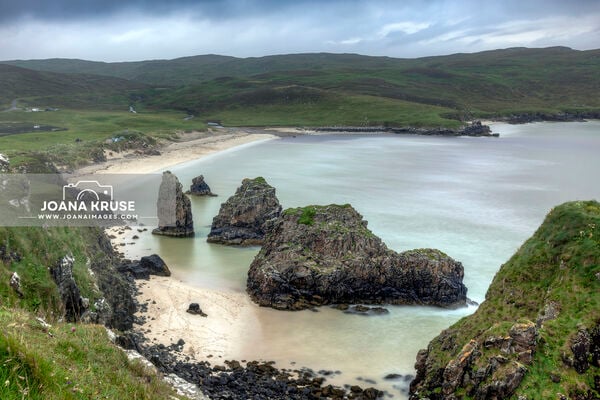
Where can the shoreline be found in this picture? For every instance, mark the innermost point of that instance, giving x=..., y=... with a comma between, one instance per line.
x=191, y=146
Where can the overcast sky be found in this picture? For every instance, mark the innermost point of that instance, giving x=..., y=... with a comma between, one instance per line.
x=121, y=30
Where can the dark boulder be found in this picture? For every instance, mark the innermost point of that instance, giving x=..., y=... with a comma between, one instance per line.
x=325, y=255
x=246, y=216
x=199, y=187
x=174, y=209
x=146, y=266
x=194, y=308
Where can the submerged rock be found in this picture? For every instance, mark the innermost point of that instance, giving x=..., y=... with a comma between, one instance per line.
x=326, y=254
x=174, y=209
x=246, y=216
x=199, y=187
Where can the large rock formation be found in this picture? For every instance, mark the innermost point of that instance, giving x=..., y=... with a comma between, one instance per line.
x=247, y=215
x=199, y=187
x=174, y=209
x=325, y=254
x=499, y=352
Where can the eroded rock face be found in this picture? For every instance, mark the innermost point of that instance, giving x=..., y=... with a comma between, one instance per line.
x=246, y=216
x=199, y=187
x=493, y=376
x=174, y=209
x=62, y=273
x=325, y=254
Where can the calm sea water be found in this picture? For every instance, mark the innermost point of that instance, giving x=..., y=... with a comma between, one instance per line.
x=477, y=199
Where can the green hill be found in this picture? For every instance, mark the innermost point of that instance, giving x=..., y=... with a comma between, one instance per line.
x=53, y=89
x=516, y=80
x=537, y=334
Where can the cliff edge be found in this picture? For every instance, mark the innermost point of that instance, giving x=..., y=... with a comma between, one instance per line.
x=537, y=334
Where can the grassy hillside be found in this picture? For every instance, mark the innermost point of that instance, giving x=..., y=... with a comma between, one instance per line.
x=86, y=133
x=481, y=84
x=49, y=89
x=552, y=283
x=65, y=360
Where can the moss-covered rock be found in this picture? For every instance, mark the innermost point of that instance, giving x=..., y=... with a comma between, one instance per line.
x=318, y=255
x=553, y=279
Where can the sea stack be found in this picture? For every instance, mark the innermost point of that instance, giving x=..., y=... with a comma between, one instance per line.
x=320, y=255
x=246, y=216
x=174, y=209
x=199, y=187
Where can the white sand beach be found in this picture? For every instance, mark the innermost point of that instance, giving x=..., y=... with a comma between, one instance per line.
x=190, y=146
x=230, y=317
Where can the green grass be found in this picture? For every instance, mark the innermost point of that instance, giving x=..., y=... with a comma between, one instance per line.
x=87, y=132
x=559, y=263
x=351, y=110
x=41, y=248
x=67, y=362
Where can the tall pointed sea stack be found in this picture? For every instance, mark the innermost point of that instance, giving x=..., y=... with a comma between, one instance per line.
x=246, y=216
x=174, y=209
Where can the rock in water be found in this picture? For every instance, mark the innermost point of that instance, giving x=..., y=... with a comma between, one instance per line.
x=174, y=209
x=199, y=187
x=325, y=254
x=247, y=215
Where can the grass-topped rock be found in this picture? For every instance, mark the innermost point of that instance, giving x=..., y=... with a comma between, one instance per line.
x=247, y=215
x=537, y=334
x=320, y=255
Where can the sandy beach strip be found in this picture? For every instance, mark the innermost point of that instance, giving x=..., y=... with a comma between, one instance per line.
x=191, y=146
x=230, y=316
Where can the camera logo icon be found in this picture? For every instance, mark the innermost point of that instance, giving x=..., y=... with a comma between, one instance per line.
x=87, y=190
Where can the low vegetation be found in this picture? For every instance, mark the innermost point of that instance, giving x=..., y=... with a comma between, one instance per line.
x=61, y=361
x=556, y=271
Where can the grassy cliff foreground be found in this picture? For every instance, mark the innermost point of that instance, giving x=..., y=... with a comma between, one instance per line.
x=537, y=334
x=42, y=354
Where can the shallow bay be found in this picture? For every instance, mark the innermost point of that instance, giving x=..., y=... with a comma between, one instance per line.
x=477, y=199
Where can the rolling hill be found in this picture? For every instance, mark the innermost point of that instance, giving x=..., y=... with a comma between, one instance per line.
x=312, y=88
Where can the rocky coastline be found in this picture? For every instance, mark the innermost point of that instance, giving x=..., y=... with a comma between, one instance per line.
x=537, y=334
x=526, y=118
x=476, y=129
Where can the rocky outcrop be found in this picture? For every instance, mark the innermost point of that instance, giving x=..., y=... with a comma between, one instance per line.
x=476, y=128
x=246, y=216
x=499, y=352
x=325, y=254
x=118, y=305
x=62, y=273
x=15, y=283
x=525, y=118
x=174, y=209
x=199, y=187
x=146, y=266
x=4, y=163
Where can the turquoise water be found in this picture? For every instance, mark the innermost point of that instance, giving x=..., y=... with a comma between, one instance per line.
x=477, y=199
